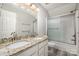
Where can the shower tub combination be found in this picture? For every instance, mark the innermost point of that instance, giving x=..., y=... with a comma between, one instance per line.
x=62, y=35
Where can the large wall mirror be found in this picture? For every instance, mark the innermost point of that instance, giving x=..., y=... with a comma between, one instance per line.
x=14, y=19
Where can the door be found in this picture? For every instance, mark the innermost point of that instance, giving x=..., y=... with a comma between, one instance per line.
x=62, y=29
x=54, y=30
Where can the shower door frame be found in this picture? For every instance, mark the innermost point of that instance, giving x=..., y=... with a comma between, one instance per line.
x=75, y=26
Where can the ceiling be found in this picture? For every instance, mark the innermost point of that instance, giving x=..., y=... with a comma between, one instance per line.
x=54, y=9
x=58, y=8
x=51, y=5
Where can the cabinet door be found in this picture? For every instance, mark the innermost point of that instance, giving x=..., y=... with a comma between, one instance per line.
x=41, y=51
x=43, y=48
x=46, y=50
x=37, y=51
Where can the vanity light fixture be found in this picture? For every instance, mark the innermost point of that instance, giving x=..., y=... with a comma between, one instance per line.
x=30, y=7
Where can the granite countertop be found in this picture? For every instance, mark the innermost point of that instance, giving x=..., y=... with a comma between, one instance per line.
x=5, y=51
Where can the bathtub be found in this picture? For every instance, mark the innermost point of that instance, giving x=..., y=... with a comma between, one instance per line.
x=63, y=47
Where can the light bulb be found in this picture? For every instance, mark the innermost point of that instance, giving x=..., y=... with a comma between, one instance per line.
x=37, y=9
x=33, y=7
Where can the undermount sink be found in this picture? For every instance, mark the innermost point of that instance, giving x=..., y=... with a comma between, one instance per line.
x=17, y=44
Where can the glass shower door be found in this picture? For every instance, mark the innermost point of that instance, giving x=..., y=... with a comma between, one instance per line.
x=54, y=30
x=62, y=29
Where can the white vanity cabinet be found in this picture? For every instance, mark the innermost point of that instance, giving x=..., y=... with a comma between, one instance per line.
x=40, y=49
x=43, y=48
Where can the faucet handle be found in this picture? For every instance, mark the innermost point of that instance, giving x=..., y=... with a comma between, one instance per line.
x=12, y=33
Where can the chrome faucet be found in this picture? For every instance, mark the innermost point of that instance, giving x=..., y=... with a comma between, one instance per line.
x=14, y=36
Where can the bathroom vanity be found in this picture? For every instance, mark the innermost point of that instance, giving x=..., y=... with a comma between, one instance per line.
x=39, y=49
x=37, y=46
